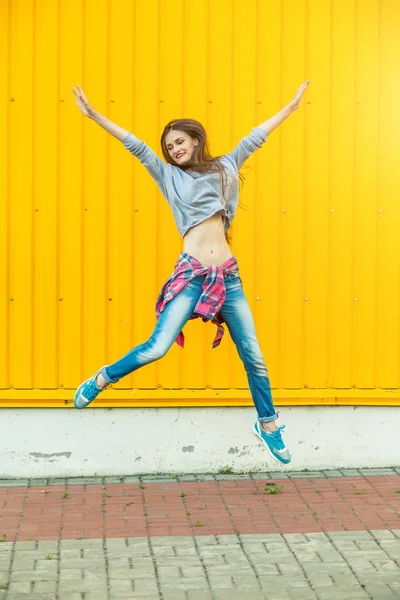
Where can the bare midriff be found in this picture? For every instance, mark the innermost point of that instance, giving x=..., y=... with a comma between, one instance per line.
x=207, y=242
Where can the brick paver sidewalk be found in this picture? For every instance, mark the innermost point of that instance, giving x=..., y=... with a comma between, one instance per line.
x=314, y=538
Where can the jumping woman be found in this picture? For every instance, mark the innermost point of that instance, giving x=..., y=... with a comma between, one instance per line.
x=202, y=192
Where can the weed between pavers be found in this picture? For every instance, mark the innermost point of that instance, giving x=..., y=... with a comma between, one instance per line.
x=4, y=586
x=182, y=495
x=199, y=524
x=359, y=492
x=49, y=557
x=65, y=495
x=272, y=488
x=225, y=470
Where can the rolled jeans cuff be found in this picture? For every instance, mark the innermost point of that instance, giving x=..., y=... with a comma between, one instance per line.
x=103, y=371
x=268, y=419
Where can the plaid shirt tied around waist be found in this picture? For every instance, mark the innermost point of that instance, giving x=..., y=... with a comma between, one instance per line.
x=212, y=297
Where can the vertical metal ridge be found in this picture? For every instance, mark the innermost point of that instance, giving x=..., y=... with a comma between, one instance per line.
x=107, y=186
x=231, y=140
x=378, y=169
x=183, y=15
x=33, y=196
x=353, y=270
x=82, y=229
x=132, y=172
x=305, y=224
x=205, y=350
x=256, y=204
x=280, y=291
x=58, y=195
x=157, y=223
x=329, y=226
x=8, y=200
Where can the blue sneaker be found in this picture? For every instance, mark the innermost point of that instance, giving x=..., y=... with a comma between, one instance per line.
x=273, y=443
x=87, y=392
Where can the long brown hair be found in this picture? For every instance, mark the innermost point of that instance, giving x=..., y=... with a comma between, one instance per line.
x=201, y=161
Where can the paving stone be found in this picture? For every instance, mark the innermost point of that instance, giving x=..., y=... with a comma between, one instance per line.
x=196, y=595
x=36, y=575
x=231, y=477
x=57, y=481
x=302, y=594
x=332, y=474
x=184, y=584
x=261, y=476
x=185, y=478
x=206, y=540
x=277, y=595
x=377, y=472
x=278, y=475
x=222, y=594
x=112, y=479
x=84, y=481
x=305, y=474
x=157, y=478
x=221, y=581
x=81, y=544
x=382, y=534
x=14, y=482
x=17, y=587
x=67, y=586
x=350, y=535
x=38, y=482
x=32, y=596
x=45, y=587
x=341, y=594
x=46, y=546
x=351, y=472
x=131, y=479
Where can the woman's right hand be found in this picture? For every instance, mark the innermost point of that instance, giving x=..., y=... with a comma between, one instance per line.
x=82, y=101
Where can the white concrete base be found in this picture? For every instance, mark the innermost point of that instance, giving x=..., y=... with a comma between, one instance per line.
x=58, y=442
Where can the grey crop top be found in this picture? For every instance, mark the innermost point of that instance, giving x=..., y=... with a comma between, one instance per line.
x=192, y=196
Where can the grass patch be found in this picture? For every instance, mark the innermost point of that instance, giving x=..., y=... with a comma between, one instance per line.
x=272, y=488
x=226, y=470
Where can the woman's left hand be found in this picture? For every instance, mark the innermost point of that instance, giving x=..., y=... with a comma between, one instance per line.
x=295, y=103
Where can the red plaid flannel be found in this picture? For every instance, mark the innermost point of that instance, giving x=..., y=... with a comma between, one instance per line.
x=213, y=294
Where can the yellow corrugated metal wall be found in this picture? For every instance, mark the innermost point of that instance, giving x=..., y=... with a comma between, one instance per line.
x=86, y=240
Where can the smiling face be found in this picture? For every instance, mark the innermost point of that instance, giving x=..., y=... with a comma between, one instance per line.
x=180, y=146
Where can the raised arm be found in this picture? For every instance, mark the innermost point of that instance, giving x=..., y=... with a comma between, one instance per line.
x=283, y=114
x=258, y=135
x=155, y=166
x=115, y=130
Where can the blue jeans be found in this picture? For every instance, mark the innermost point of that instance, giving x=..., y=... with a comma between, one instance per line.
x=239, y=320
